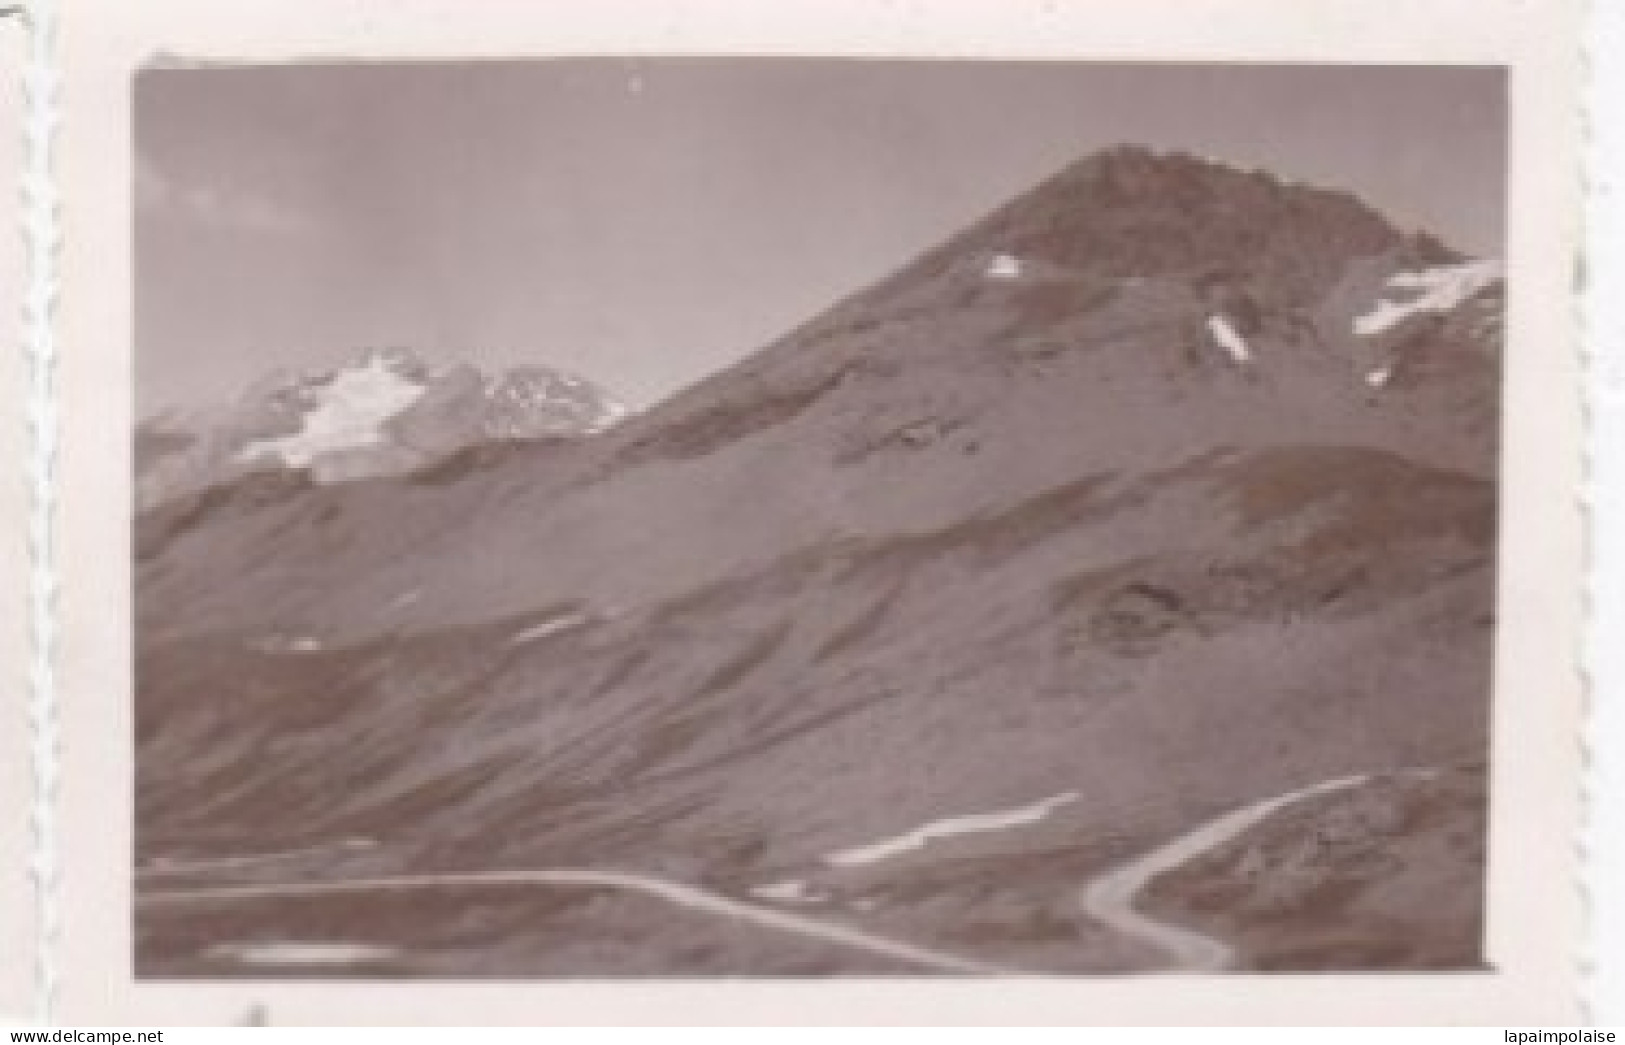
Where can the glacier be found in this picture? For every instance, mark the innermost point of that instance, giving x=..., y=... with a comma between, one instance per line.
x=349, y=413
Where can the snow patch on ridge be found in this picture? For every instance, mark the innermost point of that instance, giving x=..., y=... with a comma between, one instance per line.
x=1004, y=266
x=1225, y=336
x=349, y=413
x=294, y=952
x=277, y=643
x=615, y=412
x=550, y=626
x=947, y=828
x=1437, y=290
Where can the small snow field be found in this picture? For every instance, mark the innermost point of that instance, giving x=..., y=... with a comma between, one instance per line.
x=615, y=412
x=1004, y=266
x=551, y=626
x=1225, y=336
x=948, y=828
x=1436, y=290
x=297, y=953
x=286, y=644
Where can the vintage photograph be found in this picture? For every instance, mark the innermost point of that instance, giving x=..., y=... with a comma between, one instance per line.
x=678, y=517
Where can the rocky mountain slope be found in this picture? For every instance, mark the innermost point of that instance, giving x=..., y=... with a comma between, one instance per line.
x=1165, y=487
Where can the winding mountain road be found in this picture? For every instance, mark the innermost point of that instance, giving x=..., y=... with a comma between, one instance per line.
x=672, y=892
x=1110, y=899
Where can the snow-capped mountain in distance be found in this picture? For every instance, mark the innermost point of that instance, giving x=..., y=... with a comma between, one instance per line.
x=383, y=412
x=346, y=410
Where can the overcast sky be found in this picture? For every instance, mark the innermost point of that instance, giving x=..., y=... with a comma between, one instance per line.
x=646, y=222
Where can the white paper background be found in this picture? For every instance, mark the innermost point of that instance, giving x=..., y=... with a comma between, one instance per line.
x=16, y=770
x=1605, y=337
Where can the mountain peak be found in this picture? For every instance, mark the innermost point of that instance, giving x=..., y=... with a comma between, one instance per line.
x=346, y=409
x=1131, y=212
x=381, y=411
x=1129, y=275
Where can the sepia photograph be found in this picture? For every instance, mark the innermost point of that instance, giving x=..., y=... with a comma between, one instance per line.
x=788, y=517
